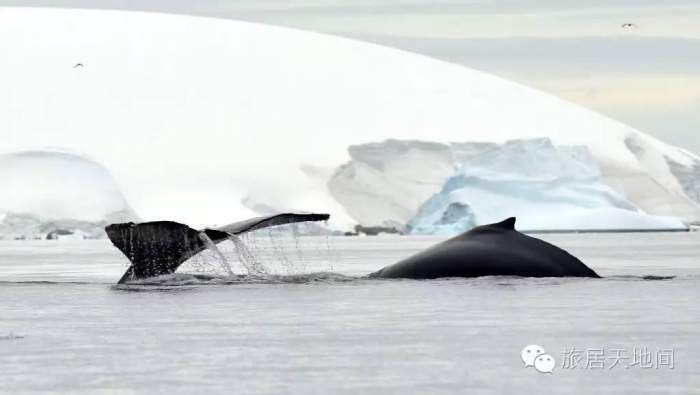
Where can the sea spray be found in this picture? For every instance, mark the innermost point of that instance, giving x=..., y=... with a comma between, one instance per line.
x=297, y=247
x=247, y=258
x=213, y=248
x=278, y=251
x=331, y=252
x=281, y=250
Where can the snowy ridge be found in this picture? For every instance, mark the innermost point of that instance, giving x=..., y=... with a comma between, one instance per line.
x=202, y=119
x=651, y=182
x=688, y=177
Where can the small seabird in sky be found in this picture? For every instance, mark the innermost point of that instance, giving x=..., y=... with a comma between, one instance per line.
x=78, y=65
x=629, y=26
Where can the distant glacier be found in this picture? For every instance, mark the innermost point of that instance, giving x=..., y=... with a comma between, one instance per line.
x=546, y=187
x=203, y=120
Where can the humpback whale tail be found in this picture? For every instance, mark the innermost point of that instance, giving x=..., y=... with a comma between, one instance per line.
x=160, y=247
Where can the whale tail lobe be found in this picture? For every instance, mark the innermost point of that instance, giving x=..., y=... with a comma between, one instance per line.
x=160, y=247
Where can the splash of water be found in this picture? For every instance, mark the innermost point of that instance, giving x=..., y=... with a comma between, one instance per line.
x=297, y=247
x=278, y=251
x=213, y=248
x=247, y=258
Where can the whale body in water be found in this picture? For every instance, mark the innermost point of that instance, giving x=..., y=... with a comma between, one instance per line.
x=158, y=248
x=489, y=250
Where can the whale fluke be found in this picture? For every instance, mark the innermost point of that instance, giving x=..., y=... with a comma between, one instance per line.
x=271, y=220
x=160, y=247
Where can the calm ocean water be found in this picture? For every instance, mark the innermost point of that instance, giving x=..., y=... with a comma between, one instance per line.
x=313, y=325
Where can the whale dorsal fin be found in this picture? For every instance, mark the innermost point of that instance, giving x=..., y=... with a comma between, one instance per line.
x=506, y=224
x=498, y=227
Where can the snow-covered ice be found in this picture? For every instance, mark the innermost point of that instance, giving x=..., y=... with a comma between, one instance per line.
x=59, y=185
x=546, y=187
x=48, y=190
x=385, y=183
x=193, y=116
x=549, y=187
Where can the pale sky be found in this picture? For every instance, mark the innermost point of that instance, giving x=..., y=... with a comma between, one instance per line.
x=647, y=76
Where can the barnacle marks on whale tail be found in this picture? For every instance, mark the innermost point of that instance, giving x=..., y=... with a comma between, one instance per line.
x=160, y=247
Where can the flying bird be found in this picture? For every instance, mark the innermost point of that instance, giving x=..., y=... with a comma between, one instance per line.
x=629, y=26
x=78, y=65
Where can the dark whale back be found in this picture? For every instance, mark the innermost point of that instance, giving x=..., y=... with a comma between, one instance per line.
x=489, y=250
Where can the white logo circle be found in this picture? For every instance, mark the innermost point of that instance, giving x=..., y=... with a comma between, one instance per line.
x=529, y=354
x=544, y=363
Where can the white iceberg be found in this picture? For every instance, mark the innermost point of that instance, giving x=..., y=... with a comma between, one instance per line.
x=45, y=191
x=546, y=187
x=194, y=115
